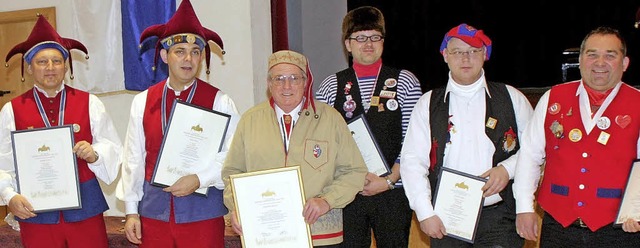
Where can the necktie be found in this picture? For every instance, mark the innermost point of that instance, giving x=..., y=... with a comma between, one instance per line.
x=287, y=123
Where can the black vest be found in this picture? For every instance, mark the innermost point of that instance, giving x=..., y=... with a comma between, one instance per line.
x=385, y=125
x=498, y=107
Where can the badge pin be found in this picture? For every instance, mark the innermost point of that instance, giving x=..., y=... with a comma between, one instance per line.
x=557, y=129
x=391, y=82
x=380, y=107
x=623, y=120
x=317, y=151
x=509, y=140
x=491, y=123
x=375, y=100
x=191, y=38
x=349, y=105
x=575, y=135
x=392, y=104
x=570, y=112
x=76, y=128
x=554, y=108
x=387, y=94
x=347, y=88
x=603, y=138
x=603, y=123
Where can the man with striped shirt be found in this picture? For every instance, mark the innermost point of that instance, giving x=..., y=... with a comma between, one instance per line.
x=385, y=97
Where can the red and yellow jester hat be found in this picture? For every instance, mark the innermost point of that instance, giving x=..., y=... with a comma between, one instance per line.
x=183, y=27
x=44, y=36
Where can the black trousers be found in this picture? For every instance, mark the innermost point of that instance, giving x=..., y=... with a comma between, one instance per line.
x=388, y=214
x=496, y=228
x=554, y=235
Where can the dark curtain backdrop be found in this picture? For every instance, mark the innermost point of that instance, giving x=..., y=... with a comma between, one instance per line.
x=528, y=40
x=279, y=33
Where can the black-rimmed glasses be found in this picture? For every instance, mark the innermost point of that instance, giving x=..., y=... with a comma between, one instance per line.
x=364, y=38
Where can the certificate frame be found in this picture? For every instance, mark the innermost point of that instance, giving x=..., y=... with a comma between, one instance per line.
x=192, y=134
x=269, y=205
x=630, y=203
x=458, y=201
x=368, y=146
x=46, y=168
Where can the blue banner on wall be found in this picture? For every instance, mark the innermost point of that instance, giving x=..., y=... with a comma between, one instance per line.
x=136, y=16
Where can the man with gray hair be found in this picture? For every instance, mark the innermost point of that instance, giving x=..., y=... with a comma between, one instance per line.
x=292, y=129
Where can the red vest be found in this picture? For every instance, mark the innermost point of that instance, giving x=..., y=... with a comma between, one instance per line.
x=204, y=96
x=585, y=178
x=76, y=111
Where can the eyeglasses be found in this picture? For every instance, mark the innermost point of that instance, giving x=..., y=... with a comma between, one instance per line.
x=45, y=62
x=294, y=79
x=471, y=53
x=364, y=38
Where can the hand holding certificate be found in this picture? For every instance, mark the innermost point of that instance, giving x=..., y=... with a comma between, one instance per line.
x=193, y=137
x=269, y=207
x=458, y=202
x=46, y=169
x=373, y=158
x=630, y=204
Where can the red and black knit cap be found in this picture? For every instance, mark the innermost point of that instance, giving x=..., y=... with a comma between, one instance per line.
x=299, y=60
x=45, y=36
x=183, y=27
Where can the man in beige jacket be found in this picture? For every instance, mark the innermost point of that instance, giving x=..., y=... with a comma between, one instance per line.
x=292, y=129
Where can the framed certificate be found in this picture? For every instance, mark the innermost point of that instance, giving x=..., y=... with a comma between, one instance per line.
x=269, y=207
x=193, y=137
x=373, y=157
x=630, y=204
x=46, y=168
x=458, y=202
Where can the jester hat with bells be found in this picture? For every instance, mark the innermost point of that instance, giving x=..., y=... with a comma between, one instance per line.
x=45, y=36
x=183, y=27
x=299, y=60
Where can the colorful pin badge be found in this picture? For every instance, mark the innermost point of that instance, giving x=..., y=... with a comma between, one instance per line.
x=375, y=101
x=491, y=123
x=603, y=138
x=387, y=94
x=554, y=108
x=391, y=82
x=392, y=104
x=623, y=120
x=603, y=123
x=76, y=127
x=557, y=129
x=575, y=135
x=509, y=140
